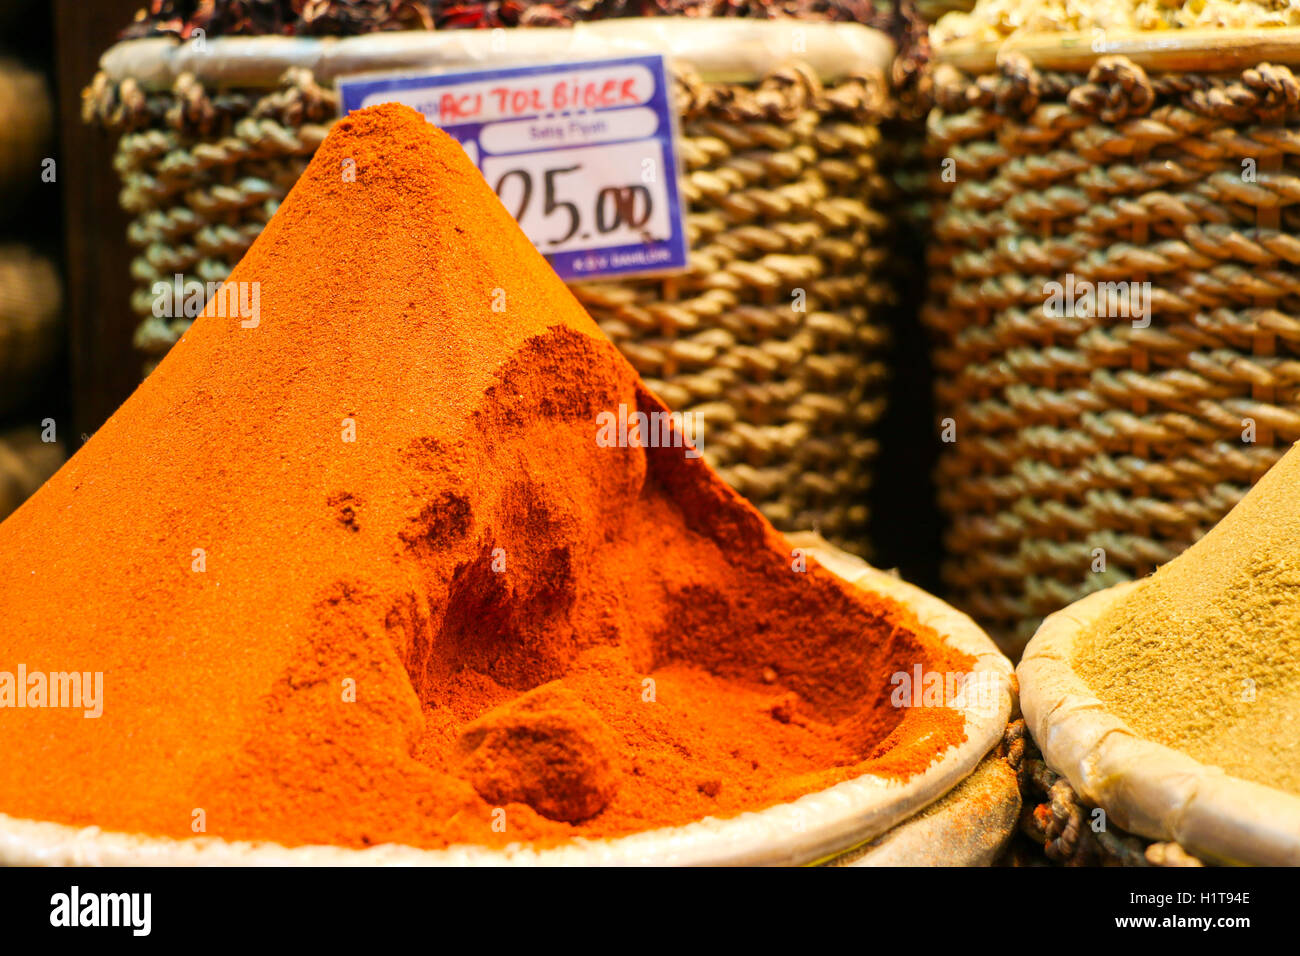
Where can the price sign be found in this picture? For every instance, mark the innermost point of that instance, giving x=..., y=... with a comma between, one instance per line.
x=584, y=155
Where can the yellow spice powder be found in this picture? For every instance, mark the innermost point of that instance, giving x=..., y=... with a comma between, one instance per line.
x=1204, y=656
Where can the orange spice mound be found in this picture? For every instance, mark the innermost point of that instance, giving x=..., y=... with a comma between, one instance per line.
x=472, y=605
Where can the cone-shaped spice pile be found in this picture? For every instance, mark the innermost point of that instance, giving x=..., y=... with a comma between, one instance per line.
x=1204, y=656
x=364, y=573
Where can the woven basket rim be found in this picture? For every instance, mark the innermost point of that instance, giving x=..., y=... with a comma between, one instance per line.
x=1147, y=788
x=721, y=50
x=1197, y=50
x=815, y=827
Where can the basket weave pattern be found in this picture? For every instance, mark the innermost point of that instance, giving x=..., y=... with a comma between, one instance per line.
x=783, y=194
x=1075, y=433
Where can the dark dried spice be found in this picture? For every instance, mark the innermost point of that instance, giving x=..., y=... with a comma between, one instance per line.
x=181, y=18
x=343, y=17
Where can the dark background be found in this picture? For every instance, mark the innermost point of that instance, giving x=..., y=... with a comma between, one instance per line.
x=97, y=262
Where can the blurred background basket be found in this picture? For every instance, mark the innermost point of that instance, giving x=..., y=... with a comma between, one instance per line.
x=26, y=126
x=784, y=192
x=26, y=461
x=32, y=328
x=1085, y=450
x=31, y=324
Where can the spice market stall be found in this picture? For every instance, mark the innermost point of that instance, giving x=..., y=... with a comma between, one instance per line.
x=774, y=334
x=375, y=577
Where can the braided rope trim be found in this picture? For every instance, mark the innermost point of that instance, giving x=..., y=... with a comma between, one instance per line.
x=1089, y=449
x=1056, y=821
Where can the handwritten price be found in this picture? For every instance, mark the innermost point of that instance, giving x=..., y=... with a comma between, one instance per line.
x=614, y=207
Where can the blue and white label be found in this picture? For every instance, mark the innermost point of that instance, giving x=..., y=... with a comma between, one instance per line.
x=583, y=155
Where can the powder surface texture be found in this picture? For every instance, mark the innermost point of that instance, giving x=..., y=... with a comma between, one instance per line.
x=363, y=573
x=1204, y=656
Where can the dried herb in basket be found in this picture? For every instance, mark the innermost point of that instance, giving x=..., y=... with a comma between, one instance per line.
x=346, y=17
x=181, y=18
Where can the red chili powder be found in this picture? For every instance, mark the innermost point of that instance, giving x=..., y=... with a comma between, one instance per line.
x=472, y=604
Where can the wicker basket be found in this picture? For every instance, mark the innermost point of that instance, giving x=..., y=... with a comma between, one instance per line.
x=1089, y=450
x=26, y=126
x=779, y=173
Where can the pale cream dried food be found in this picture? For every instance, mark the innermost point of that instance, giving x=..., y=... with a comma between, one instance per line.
x=993, y=20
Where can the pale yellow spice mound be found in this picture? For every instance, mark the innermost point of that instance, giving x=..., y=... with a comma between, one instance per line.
x=996, y=19
x=1204, y=656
